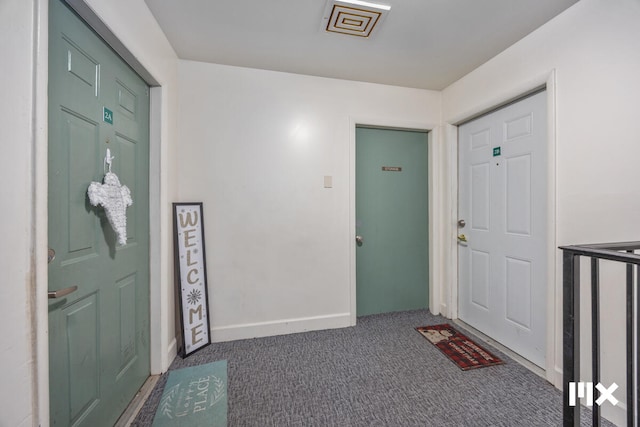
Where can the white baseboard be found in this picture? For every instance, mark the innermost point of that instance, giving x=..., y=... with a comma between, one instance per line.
x=172, y=352
x=280, y=327
x=558, y=377
x=616, y=414
x=166, y=358
x=443, y=310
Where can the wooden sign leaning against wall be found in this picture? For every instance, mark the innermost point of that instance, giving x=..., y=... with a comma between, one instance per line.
x=191, y=276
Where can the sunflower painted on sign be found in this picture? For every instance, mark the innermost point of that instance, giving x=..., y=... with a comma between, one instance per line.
x=194, y=296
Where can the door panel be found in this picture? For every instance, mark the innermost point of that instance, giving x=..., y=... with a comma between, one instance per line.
x=519, y=291
x=83, y=348
x=392, y=217
x=128, y=302
x=83, y=148
x=480, y=196
x=480, y=269
x=98, y=335
x=503, y=199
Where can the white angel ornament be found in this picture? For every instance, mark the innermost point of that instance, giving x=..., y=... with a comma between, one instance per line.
x=115, y=198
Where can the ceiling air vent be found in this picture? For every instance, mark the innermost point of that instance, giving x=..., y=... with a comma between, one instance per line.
x=353, y=17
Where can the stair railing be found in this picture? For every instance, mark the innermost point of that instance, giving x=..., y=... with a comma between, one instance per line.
x=619, y=252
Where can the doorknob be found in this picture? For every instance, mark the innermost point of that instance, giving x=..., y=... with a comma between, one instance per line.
x=462, y=238
x=462, y=223
x=51, y=255
x=359, y=240
x=62, y=292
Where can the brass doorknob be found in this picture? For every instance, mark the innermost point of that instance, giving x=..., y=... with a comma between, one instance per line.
x=462, y=238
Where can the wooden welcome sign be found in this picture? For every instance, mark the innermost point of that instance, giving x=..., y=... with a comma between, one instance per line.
x=191, y=274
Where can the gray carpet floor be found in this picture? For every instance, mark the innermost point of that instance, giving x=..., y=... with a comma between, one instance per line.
x=381, y=372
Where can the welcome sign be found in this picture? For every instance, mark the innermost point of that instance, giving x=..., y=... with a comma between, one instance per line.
x=191, y=273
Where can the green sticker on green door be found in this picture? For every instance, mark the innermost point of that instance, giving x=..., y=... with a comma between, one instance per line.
x=107, y=115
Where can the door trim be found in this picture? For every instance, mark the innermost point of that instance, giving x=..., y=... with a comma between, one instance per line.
x=433, y=140
x=553, y=368
x=95, y=23
x=161, y=352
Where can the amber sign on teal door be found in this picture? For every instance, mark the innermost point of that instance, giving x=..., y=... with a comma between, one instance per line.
x=98, y=288
x=392, y=221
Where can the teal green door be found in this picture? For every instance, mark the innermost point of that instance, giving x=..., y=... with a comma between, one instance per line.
x=392, y=259
x=98, y=334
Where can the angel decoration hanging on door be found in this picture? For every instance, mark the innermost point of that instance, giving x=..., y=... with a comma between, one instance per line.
x=114, y=197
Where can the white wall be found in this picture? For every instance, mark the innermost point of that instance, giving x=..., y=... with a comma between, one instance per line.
x=594, y=48
x=23, y=187
x=254, y=146
x=17, y=119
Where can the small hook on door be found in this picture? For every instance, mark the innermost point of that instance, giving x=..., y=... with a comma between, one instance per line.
x=108, y=158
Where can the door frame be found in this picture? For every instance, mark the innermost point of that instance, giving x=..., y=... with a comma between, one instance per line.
x=159, y=357
x=433, y=147
x=553, y=368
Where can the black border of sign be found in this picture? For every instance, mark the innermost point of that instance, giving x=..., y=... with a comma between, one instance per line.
x=176, y=257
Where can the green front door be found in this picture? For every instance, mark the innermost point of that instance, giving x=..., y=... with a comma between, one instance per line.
x=98, y=334
x=392, y=260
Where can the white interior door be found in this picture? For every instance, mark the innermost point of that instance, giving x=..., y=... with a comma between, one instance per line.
x=503, y=202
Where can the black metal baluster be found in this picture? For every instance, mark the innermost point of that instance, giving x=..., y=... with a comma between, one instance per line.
x=595, y=332
x=637, y=388
x=571, y=334
x=630, y=331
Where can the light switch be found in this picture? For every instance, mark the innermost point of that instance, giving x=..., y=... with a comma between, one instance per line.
x=328, y=181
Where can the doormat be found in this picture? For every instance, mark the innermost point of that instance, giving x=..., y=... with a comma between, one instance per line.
x=458, y=347
x=195, y=396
